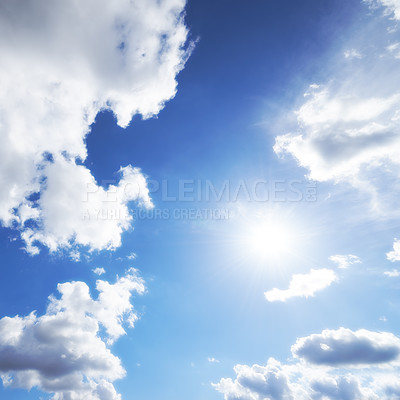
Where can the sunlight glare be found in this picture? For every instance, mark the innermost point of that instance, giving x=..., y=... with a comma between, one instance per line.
x=268, y=240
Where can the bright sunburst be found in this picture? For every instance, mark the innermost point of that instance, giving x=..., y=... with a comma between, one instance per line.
x=268, y=238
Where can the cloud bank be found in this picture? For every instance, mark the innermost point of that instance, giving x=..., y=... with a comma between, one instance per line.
x=373, y=379
x=62, y=63
x=64, y=351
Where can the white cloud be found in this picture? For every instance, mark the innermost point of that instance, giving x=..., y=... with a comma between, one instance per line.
x=343, y=133
x=277, y=381
x=99, y=271
x=256, y=383
x=345, y=347
x=131, y=256
x=74, y=255
x=348, y=127
x=74, y=210
x=212, y=360
x=394, y=255
x=63, y=351
x=344, y=261
x=346, y=387
x=304, y=285
x=62, y=63
x=394, y=273
x=303, y=381
x=352, y=53
x=392, y=7
x=394, y=49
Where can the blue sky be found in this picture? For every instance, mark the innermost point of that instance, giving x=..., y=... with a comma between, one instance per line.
x=199, y=200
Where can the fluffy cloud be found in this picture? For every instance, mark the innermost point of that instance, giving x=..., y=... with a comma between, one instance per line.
x=344, y=261
x=277, y=381
x=63, y=351
x=344, y=347
x=348, y=128
x=74, y=210
x=63, y=62
x=346, y=387
x=394, y=255
x=257, y=382
x=304, y=285
x=302, y=381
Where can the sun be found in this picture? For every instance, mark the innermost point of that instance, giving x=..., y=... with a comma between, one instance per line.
x=268, y=239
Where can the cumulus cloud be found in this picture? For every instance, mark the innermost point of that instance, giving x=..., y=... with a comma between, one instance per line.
x=348, y=127
x=346, y=387
x=62, y=63
x=257, y=382
x=74, y=210
x=303, y=285
x=344, y=261
x=278, y=381
x=66, y=350
x=302, y=381
x=344, y=347
x=394, y=255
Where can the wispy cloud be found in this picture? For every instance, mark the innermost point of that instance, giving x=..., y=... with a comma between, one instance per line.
x=131, y=256
x=394, y=273
x=352, y=53
x=347, y=126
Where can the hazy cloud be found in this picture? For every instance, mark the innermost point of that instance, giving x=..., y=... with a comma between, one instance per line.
x=394, y=273
x=348, y=127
